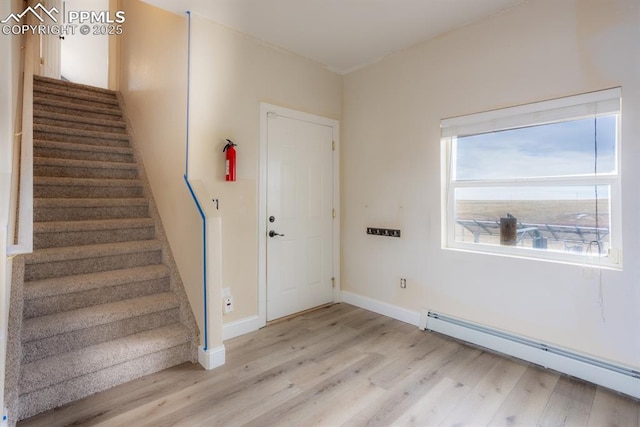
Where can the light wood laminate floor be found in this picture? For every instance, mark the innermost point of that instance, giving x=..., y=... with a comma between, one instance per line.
x=344, y=366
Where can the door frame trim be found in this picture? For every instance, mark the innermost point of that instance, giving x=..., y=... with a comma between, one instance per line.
x=265, y=109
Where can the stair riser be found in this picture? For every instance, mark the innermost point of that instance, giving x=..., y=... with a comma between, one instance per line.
x=48, y=191
x=76, y=340
x=88, y=140
x=59, y=303
x=79, y=91
x=86, y=113
x=85, y=385
x=84, y=98
x=44, y=111
x=77, y=172
x=79, y=214
x=67, y=131
x=46, y=270
x=70, y=124
x=58, y=153
x=97, y=102
x=92, y=237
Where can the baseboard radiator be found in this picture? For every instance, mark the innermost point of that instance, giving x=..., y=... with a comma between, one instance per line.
x=616, y=377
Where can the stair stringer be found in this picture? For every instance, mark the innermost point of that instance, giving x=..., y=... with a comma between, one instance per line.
x=14, y=342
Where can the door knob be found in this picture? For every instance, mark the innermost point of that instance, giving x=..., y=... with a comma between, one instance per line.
x=274, y=234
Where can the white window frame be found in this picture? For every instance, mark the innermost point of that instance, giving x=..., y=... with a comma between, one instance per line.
x=582, y=106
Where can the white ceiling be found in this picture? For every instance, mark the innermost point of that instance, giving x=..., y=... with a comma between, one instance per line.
x=341, y=34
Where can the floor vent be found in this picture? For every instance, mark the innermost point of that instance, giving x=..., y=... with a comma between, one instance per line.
x=607, y=374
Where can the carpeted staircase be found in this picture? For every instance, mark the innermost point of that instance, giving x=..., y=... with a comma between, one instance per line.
x=102, y=301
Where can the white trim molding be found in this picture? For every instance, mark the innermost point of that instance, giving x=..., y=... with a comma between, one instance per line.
x=614, y=376
x=408, y=316
x=265, y=110
x=611, y=375
x=240, y=327
x=212, y=357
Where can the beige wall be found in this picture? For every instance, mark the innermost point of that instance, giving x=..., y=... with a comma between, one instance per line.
x=390, y=115
x=230, y=75
x=153, y=81
x=538, y=50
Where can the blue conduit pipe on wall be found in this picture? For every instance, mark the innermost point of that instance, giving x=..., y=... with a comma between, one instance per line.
x=193, y=194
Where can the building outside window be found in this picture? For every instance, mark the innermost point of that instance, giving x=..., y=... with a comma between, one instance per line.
x=538, y=180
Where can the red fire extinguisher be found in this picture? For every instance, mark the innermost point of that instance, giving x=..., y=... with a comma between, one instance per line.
x=231, y=160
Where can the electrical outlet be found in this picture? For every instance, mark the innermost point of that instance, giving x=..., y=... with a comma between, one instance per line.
x=227, y=304
x=403, y=283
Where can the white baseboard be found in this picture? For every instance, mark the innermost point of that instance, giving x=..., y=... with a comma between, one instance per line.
x=240, y=327
x=386, y=309
x=616, y=377
x=252, y=323
x=212, y=357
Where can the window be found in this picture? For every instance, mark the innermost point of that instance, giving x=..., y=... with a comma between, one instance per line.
x=538, y=180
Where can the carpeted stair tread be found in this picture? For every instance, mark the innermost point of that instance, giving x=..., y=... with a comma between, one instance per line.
x=75, y=150
x=54, y=180
x=60, y=145
x=50, y=296
x=59, y=130
x=74, y=146
x=79, y=387
x=91, y=225
x=118, y=123
x=75, y=340
x=63, y=367
x=78, y=122
x=83, y=202
x=48, y=81
x=49, y=234
x=74, y=96
x=79, y=97
x=67, y=321
x=71, y=190
x=85, y=164
x=75, y=168
x=72, y=89
x=91, y=251
x=46, y=104
x=84, y=282
x=78, y=209
x=62, y=187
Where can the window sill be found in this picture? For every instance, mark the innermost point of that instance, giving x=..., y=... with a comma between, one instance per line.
x=583, y=261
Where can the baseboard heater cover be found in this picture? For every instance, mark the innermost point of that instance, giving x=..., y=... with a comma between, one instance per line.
x=616, y=377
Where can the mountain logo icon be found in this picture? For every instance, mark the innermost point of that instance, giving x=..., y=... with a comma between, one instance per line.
x=39, y=11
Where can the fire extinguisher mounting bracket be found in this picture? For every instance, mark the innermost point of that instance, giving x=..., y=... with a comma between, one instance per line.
x=229, y=144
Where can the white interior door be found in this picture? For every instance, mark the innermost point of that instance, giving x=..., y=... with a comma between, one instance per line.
x=299, y=215
x=85, y=57
x=50, y=45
